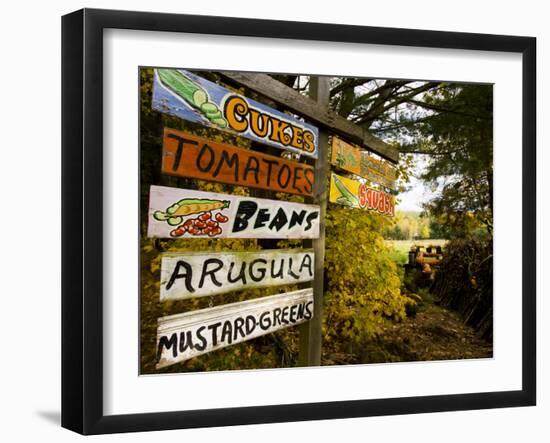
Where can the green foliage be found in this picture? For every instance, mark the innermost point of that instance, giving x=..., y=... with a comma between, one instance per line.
x=408, y=225
x=362, y=280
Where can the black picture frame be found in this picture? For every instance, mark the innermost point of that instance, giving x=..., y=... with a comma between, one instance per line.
x=82, y=237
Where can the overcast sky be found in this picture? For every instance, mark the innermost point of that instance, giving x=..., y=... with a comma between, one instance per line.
x=418, y=192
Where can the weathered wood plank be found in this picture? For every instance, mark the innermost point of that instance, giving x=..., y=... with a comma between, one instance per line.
x=198, y=274
x=360, y=162
x=305, y=106
x=185, y=95
x=354, y=194
x=188, y=155
x=311, y=332
x=184, y=336
x=175, y=212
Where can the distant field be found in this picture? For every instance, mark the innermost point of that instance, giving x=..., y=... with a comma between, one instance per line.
x=401, y=247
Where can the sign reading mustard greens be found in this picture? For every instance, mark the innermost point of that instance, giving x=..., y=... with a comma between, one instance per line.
x=359, y=162
x=352, y=193
x=177, y=213
x=187, y=155
x=185, y=95
x=197, y=274
x=184, y=336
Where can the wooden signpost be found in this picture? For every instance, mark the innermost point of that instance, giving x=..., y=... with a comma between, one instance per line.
x=197, y=274
x=186, y=95
x=359, y=162
x=177, y=213
x=355, y=194
x=187, y=155
x=184, y=336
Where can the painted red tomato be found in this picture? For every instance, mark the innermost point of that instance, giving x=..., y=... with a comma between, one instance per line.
x=205, y=216
x=215, y=231
x=212, y=224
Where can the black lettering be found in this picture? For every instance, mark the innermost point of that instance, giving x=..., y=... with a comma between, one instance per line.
x=276, y=316
x=186, y=341
x=307, y=263
x=210, y=151
x=254, y=169
x=297, y=218
x=301, y=308
x=293, y=310
x=227, y=333
x=232, y=162
x=279, y=220
x=309, y=220
x=179, y=150
x=241, y=276
x=202, y=345
x=261, y=218
x=265, y=321
x=284, y=315
x=261, y=270
x=250, y=324
x=283, y=184
x=309, y=311
x=168, y=343
x=214, y=328
x=291, y=271
x=310, y=177
x=218, y=263
x=245, y=211
x=238, y=328
x=279, y=273
x=270, y=164
x=188, y=275
x=297, y=177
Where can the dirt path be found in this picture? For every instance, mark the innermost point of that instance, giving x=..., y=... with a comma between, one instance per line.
x=434, y=333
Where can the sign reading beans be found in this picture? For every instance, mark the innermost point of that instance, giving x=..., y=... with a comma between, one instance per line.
x=183, y=94
x=175, y=213
x=187, y=155
x=355, y=194
x=184, y=336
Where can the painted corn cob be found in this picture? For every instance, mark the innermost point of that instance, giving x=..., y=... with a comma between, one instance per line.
x=346, y=198
x=192, y=93
x=174, y=214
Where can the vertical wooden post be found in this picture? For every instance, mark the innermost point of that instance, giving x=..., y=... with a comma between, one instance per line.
x=311, y=332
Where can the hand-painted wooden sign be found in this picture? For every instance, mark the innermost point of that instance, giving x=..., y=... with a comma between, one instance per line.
x=188, y=96
x=349, y=158
x=354, y=194
x=187, y=155
x=177, y=213
x=197, y=274
x=184, y=336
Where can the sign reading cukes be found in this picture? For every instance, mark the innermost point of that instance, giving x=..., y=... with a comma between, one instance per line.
x=187, y=155
x=352, y=193
x=183, y=94
x=359, y=162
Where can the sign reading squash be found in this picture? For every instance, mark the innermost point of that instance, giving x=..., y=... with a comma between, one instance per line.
x=188, y=96
x=187, y=155
x=355, y=194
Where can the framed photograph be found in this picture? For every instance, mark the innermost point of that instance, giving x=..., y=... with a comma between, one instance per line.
x=269, y=221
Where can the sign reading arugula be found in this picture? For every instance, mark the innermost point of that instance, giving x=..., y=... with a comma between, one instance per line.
x=184, y=336
x=197, y=274
x=359, y=162
x=187, y=155
x=355, y=194
x=186, y=95
x=177, y=213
